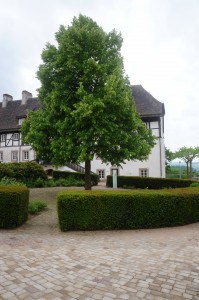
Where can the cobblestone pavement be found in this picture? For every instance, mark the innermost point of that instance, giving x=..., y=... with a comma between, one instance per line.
x=37, y=261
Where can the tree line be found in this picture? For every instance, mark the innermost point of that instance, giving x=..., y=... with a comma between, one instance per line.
x=186, y=154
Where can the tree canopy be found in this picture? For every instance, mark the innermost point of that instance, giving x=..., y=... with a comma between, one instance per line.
x=86, y=101
x=169, y=156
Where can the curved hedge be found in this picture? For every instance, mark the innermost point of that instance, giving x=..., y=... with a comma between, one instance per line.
x=76, y=175
x=13, y=206
x=22, y=171
x=147, y=182
x=93, y=210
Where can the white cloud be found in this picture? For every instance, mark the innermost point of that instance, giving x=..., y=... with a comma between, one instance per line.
x=160, y=50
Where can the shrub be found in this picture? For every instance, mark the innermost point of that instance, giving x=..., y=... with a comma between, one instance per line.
x=50, y=183
x=93, y=210
x=39, y=182
x=10, y=182
x=36, y=206
x=194, y=184
x=13, y=206
x=147, y=182
x=76, y=175
x=23, y=171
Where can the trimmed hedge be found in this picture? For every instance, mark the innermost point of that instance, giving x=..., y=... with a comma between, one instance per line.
x=76, y=175
x=94, y=210
x=147, y=182
x=13, y=206
x=23, y=171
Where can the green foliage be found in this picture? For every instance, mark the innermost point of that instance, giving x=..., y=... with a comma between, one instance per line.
x=10, y=181
x=39, y=182
x=36, y=206
x=69, y=181
x=75, y=175
x=87, y=106
x=147, y=182
x=187, y=155
x=169, y=156
x=23, y=171
x=194, y=184
x=13, y=206
x=86, y=210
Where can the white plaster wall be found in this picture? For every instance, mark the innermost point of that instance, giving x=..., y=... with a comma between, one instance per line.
x=131, y=168
x=155, y=162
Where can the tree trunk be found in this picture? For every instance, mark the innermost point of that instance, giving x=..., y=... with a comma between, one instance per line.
x=187, y=169
x=88, y=175
x=190, y=169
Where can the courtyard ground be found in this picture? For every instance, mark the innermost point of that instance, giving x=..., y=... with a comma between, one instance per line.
x=37, y=261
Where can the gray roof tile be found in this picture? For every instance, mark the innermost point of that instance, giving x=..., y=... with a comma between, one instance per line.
x=146, y=106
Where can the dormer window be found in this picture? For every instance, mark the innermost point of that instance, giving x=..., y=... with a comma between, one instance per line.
x=16, y=136
x=21, y=121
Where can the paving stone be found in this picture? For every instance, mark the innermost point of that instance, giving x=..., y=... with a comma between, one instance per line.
x=37, y=261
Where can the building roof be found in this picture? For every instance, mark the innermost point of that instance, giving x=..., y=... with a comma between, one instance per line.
x=14, y=110
x=146, y=105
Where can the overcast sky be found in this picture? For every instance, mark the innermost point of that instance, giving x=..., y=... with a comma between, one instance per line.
x=160, y=50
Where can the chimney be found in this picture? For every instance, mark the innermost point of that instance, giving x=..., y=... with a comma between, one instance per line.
x=25, y=96
x=6, y=99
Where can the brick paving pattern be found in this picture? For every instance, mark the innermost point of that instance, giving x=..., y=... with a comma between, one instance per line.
x=37, y=261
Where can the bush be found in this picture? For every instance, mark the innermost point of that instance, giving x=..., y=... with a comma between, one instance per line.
x=75, y=175
x=23, y=171
x=13, y=206
x=147, y=182
x=36, y=206
x=10, y=182
x=194, y=184
x=93, y=210
x=39, y=182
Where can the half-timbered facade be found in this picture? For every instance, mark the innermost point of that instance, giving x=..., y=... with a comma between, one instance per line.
x=12, y=114
x=12, y=148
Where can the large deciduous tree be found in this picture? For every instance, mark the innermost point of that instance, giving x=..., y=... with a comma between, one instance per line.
x=86, y=101
x=187, y=155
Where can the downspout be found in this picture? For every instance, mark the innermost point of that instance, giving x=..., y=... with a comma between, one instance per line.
x=160, y=147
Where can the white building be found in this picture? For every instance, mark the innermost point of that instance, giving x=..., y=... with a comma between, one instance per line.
x=12, y=149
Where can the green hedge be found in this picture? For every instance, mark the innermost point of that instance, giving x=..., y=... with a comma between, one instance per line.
x=23, y=171
x=76, y=175
x=13, y=206
x=147, y=182
x=93, y=210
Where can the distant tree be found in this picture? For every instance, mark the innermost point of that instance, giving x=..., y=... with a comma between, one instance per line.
x=86, y=101
x=187, y=155
x=169, y=156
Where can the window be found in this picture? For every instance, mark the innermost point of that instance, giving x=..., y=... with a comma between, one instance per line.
x=25, y=155
x=101, y=174
x=21, y=121
x=144, y=172
x=14, y=156
x=3, y=138
x=15, y=136
x=1, y=156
